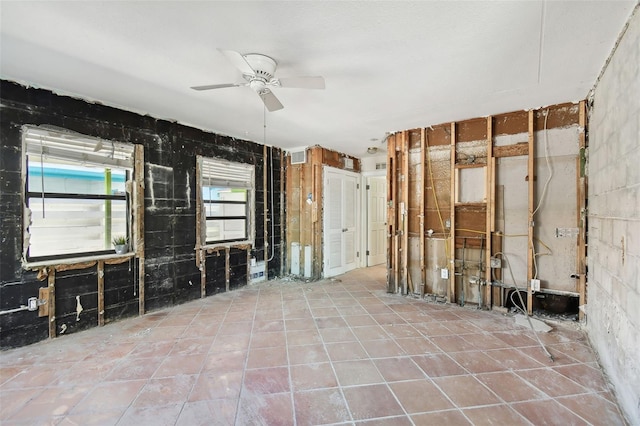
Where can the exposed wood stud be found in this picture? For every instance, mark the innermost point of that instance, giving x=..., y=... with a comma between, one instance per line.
x=314, y=231
x=423, y=196
x=405, y=211
x=101, y=292
x=581, y=213
x=141, y=307
x=43, y=309
x=303, y=195
x=490, y=212
x=531, y=195
x=316, y=225
x=51, y=301
x=451, y=253
x=139, y=223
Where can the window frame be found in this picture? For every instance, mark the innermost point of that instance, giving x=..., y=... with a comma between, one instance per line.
x=232, y=182
x=73, y=155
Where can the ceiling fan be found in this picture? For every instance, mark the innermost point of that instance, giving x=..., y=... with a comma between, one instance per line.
x=258, y=71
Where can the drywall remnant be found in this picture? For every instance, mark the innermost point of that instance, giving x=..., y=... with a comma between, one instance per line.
x=79, y=308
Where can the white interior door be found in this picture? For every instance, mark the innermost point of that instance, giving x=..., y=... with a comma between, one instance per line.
x=376, y=220
x=340, y=221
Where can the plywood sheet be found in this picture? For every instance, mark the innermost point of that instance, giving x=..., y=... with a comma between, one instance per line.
x=471, y=130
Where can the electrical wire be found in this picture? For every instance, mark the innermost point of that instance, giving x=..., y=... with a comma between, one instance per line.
x=264, y=139
x=547, y=160
x=435, y=197
x=544, y=192
x=535, y=255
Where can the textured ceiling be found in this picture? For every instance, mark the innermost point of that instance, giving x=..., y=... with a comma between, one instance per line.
x=388, y=66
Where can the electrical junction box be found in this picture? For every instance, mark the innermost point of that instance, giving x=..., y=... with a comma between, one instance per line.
x=496, y=263
x=32, y=303
x=444, y=273
x=535, y=285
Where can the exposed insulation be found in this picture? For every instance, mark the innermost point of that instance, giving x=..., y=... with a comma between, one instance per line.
x=451, y=187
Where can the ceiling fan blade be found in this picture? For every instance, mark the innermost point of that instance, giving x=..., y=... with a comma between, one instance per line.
x=238, y=61
x=270, y=101
x=302, y=82
x=216, y=86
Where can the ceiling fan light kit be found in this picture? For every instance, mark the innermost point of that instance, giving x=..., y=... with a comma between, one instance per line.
x=259, y=72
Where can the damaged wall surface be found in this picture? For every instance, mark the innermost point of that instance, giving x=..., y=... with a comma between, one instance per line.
x=164, y=269
x=304, y=201
x=506, y=188
x=613, y=320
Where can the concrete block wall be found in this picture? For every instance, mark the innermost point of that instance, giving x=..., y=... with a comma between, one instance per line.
x=171, y=273
x=613, y=288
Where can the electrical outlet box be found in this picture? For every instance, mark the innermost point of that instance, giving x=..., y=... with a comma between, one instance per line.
x=444, y=273
x=496, y=263
x=32, y=303
x=535, y=285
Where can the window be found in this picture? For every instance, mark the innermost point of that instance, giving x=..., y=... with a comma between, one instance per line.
x=227, y=198
x=76, y=197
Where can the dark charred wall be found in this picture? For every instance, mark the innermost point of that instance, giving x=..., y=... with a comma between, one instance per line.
x=171, y=274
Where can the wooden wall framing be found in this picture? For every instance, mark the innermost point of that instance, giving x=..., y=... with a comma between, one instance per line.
x=304, y=219
x=469, y=226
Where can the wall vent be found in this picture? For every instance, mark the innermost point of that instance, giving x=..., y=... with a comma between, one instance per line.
x=348, y=163
x=299, y=157
x=381, y=166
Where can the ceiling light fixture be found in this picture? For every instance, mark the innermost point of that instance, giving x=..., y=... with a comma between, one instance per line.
x=372, y=150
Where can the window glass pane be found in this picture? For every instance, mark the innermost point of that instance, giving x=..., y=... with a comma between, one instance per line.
x=226, y=188
x=75, y=179
x=218, y=209
x=227, y=229
x=210, y=193
x=70, y=226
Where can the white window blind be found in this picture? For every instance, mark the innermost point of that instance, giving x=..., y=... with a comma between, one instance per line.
x=71, y=147
x=217, y=172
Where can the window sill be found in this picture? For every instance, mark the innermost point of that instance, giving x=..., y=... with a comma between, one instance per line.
x=235, y=244
x=75, y=260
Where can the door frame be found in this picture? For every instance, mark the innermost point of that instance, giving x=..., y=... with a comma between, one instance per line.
x=364, y=211
x=357, y=216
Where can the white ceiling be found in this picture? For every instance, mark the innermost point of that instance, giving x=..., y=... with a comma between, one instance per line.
x=388, y=66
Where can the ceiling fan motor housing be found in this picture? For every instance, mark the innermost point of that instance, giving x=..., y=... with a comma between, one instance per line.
x=264, y=66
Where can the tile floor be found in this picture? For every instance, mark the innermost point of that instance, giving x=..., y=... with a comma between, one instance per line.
x=284, y=353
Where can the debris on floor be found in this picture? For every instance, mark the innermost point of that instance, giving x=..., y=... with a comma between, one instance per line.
x=537, y=324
